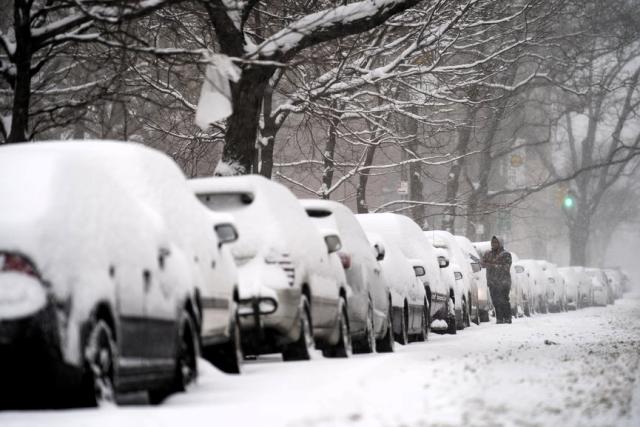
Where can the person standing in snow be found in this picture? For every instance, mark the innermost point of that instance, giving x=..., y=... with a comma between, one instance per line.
x=498, y=264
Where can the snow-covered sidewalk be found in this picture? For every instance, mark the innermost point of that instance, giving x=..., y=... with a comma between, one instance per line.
x=571, y=369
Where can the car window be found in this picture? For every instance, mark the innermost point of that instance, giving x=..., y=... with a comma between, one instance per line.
x=226, y=201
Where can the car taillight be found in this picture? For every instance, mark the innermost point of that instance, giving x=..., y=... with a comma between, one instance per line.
x=345, y=259
x=16, y=263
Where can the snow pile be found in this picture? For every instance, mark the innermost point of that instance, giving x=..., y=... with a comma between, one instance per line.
x=491, y=375
x=439, y=325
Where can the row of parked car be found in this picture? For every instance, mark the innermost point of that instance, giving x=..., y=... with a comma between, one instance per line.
x=117, y=273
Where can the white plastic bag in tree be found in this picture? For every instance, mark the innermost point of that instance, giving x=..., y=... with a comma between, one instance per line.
x=215, y=96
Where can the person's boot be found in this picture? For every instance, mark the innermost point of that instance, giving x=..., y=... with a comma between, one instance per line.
x=508, y=320
x=499, y=321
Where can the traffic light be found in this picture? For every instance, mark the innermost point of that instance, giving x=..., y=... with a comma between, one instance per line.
x=568, y=201
x=565, y=197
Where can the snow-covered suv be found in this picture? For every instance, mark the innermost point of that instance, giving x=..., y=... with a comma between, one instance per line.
x=368, y=303
x=409, y=237
x=105, y=258
x=289, y=295
x=408, y=299
x=479, y=277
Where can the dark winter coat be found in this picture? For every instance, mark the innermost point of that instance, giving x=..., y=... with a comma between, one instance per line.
x=498, y=265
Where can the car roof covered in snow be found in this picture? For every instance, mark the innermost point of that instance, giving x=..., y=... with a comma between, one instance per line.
x=340, y=218
x=75, y=207
x=270, y=221
x=407, y=235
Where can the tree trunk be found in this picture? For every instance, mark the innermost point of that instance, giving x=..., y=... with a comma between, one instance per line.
x=363, y=180
x=415, y=172
x=22, y=88
x=329, y=156
x=269, y=131
x=247, y=94
x=579, y=237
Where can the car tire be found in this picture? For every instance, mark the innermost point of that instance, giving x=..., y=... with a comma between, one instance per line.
x=424, y=329
x=476, y=319
x=467, y=315
x=402, y=337
x=227, y=356
x=387, y=343
x=304, y=346
x=367, y=344
x=100, y=352
x=343, y=347
x=452, y=327
x=186, y=369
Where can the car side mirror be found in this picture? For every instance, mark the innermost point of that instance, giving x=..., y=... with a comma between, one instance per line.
x=476, y=267
x=419, y=271
x=226, y=233
x=380, y=251
x=457, y=275
x=443, y=262
x=333, y=242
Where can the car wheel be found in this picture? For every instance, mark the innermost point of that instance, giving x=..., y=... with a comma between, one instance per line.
x=387, y=344
x=452, y=328
x=424, y=325
x=368, y=343
x=476, y=319
x=343, y=347
x=228, y=356
x=304, y=346
x=402, y=337
x=101, y=367
x=186, y=367
x=467, y=315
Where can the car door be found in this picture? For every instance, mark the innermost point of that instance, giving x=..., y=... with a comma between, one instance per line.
x=161, y=304
x=130, y=282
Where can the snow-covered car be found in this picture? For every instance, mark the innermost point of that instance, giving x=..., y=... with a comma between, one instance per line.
x=556, y=287
x=368, y=303
x=479, y=277
x=409, y=305
x=518, y=295
x=538, y=282
x=585, y=287
x=468, y=291
x=550, y=293
x=526, y=285
x=614, y=277
x=290, y=298
x=448, y=278
x=108, y=270
x=599, y=285
x=408, y=236
x=572, y=286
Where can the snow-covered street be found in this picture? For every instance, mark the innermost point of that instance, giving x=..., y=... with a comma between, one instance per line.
x=570, y=369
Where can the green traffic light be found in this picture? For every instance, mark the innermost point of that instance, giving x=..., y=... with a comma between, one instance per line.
x=568, y=202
